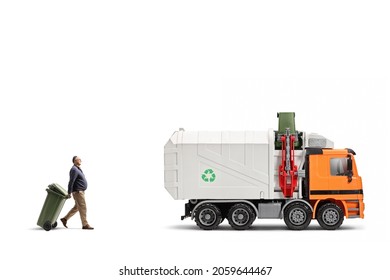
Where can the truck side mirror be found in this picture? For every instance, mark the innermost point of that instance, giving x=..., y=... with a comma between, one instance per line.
x=349, y=169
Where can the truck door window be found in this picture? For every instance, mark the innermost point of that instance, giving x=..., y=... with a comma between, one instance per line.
x=338, y=167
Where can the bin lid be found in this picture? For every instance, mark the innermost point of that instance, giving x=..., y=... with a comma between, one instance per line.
x=58, y=189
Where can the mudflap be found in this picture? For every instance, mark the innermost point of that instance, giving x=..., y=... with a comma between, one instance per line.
x=187, y=211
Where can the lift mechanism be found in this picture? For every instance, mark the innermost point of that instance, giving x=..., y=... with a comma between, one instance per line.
x=288, y=171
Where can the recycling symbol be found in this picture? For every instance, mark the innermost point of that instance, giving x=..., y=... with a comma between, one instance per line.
x=208, y=175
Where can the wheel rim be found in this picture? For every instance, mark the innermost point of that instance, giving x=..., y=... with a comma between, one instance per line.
x=330, y=217
x=207, y=217
x=240, y=217
x=297, y=216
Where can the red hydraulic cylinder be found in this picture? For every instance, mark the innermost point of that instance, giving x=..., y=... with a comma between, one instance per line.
x=288, y=171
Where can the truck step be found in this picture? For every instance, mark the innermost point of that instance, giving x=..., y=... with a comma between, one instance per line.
x=354, y=216
x=353, y=208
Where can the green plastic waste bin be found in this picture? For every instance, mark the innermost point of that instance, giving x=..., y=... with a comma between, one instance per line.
x=55, y=200
x=287, y=120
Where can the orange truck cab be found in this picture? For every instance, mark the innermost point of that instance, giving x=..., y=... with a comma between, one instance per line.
x=333, y=186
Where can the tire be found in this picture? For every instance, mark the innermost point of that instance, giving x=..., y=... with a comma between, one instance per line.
x=330, y=216
x=47, y=226
x=54, y=225
x=241, y=216
x=297, y=215
x=208, y=216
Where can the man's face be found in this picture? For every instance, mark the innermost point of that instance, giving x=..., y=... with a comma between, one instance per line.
x=77, y=161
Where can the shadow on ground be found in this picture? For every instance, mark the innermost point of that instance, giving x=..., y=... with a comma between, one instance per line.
x=281, y=227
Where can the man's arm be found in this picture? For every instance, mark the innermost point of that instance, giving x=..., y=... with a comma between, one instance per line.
x=72, y=179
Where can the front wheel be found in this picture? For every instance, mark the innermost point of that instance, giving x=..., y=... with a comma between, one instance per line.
x=208, y=216
x=297, y=215
x=47, y=226
x=330, y=216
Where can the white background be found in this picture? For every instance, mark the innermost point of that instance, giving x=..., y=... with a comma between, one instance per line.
x=110, y=81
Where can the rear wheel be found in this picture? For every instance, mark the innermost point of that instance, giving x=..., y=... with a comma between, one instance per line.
x=297, y=215
x=241, y=216
x=330, y=216
x=208, y=216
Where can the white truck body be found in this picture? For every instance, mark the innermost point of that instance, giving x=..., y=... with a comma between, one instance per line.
x=244, y=163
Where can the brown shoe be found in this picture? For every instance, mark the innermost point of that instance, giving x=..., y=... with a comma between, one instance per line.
x=64, y=221
x=87, y=227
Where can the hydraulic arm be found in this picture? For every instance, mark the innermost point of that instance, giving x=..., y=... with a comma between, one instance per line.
x=288, y=171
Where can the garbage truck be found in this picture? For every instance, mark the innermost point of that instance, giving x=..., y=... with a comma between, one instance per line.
x=276, y=174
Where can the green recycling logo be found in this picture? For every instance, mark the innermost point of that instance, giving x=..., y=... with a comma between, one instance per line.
x=208, y=175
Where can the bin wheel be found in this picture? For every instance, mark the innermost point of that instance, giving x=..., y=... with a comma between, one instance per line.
x=54, y=225
x=47, y=226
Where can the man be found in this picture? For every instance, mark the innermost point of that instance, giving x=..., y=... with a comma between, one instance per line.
x=76, y=187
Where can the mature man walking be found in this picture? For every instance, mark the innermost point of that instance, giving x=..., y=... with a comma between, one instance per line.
x=76, y=187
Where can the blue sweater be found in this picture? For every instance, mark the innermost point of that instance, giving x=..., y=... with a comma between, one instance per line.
x=77, y=181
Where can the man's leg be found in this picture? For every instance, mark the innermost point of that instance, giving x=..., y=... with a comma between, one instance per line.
x=79, y=197
x=72, y=211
